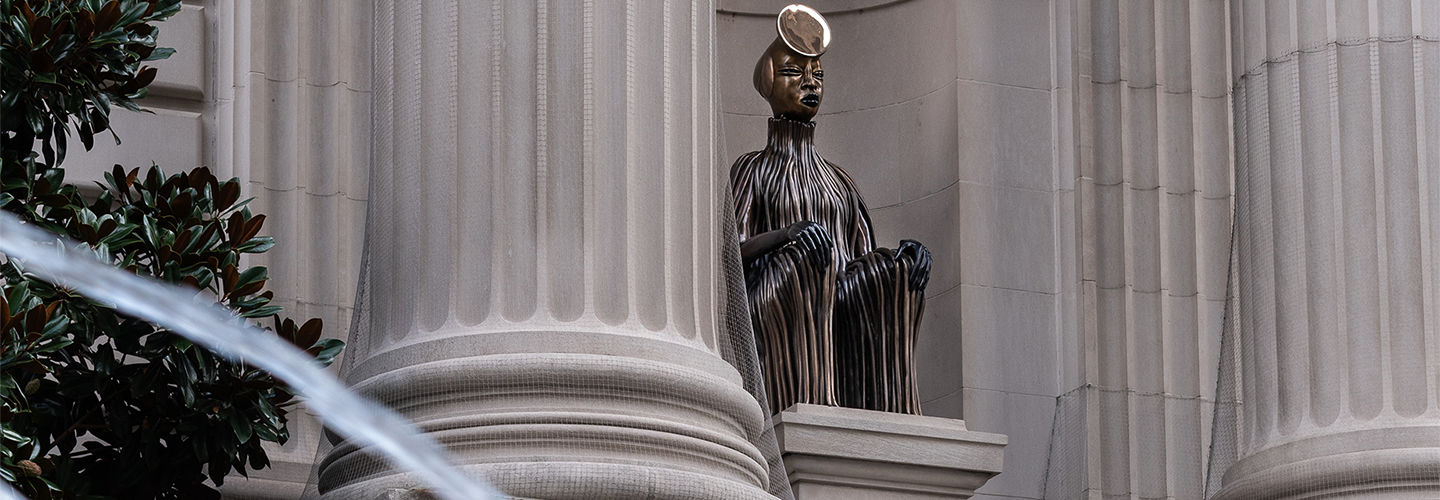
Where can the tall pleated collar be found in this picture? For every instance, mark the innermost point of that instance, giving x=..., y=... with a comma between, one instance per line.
x=791, y=138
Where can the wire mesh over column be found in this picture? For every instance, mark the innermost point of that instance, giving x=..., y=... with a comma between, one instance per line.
x=1337, y=112
x=545, y=288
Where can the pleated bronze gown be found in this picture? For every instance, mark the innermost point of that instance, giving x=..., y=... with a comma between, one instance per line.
x=837, y=330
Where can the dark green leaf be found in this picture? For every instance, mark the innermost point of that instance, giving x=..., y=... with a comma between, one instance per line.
x=327, y=350
x=160, y=53
x=241, y=426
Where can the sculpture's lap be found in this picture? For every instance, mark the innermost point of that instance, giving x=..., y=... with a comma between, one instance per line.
x=791, y=301
x=876, y=322
x=846, y=338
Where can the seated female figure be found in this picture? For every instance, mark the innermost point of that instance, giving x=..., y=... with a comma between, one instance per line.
x=835, y=317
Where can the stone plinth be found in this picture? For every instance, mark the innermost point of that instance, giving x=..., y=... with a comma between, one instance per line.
x=843, y=453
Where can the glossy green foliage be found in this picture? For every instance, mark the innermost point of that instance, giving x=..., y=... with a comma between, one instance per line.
x=64, y=63
x=97, y=404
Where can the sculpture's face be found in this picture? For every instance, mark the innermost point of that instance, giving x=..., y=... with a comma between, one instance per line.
x=797, y=86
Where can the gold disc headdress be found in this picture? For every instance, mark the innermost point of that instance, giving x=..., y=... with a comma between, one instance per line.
x=803, y=30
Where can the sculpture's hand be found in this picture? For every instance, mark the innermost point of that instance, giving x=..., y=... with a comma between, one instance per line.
x=812, y=238
x=920, y=273
x=809, y=236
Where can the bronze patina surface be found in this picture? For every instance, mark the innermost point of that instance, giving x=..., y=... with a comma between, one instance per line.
x=835, y=317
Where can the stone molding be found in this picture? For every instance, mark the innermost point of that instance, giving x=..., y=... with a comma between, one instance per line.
x=509, y=416
x=1401, y=462
x=839, y=453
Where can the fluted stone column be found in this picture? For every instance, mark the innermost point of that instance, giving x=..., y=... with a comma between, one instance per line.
x=1337, y=112
x=544, y=266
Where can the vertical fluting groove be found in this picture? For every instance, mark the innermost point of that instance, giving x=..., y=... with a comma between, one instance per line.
x=588, y=168
x=1213, y=152
x=1245, y=237
x=519, y=200
x=381, y=205
x=1245, y=316
x=475, y=147
x=1357, y=175
x=406, y=181
x=632, y=129
x=1396, y=73
x=1336, y=216
x=1181, y=240
x=314, y=142
x=1287, y=215
x=646, y=138
x=1114, y=407
x=612, y=287
x=1264, y=270
x=702, y=136
x=1382, y=250
x=436, y=164
x=542, y=217
x=1318, y=177
x=313, y=146
x=1260, y=274
x=282, y=114
x=680, y=171
x=1146, y=251
x=499, y=160
x=564, y=153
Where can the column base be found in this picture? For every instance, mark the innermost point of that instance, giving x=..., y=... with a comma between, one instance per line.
x=1397, y=462
x=598, y=416
x=846, y=453
x=557, y=480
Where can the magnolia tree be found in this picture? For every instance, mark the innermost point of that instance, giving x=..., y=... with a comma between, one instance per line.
x=97, y=403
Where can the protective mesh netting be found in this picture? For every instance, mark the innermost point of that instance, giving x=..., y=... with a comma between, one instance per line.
x=1225, y=422
x=1320, y=253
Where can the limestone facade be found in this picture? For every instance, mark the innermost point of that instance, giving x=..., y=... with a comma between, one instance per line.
x=1073, y=165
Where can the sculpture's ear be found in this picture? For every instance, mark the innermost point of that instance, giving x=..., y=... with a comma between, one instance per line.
x=764, y=75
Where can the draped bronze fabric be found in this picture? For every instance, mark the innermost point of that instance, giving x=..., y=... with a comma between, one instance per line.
x=837, y=329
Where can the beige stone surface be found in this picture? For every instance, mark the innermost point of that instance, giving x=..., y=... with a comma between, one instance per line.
x=1334, y=214
x=845, y=453
x=1068, y=161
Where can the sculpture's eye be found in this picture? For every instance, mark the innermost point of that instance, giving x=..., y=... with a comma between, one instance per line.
x=819, y=75
x=789, y=71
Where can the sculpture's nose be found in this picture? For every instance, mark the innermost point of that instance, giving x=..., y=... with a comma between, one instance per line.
x=809, y=82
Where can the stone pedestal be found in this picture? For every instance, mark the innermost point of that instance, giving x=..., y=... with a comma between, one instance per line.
x=843, y=453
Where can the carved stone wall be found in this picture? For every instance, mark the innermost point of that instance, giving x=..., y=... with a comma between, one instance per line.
x=1152, y=144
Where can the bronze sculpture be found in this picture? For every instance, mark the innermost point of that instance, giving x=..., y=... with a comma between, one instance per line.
x=835, y=317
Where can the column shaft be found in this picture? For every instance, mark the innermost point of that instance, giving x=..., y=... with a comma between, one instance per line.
x=1338, y=328
x=543, y=250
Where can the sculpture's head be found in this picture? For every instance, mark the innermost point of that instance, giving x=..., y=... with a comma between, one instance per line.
x=788, y=74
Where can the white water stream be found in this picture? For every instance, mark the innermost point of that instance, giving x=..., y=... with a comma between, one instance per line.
x=76, y=267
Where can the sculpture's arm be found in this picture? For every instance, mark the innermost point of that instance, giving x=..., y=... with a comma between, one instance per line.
x=811, y=237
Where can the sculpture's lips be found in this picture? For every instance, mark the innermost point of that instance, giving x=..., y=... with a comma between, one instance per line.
x=810, y=100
